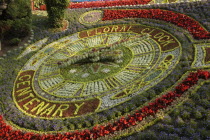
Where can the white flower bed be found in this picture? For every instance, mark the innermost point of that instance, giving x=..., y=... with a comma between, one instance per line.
x=48, y=69
x=126, y=76
x=50, y=82
x=114, y=38
x=94, y=87
x=143, y=60
x=69, y=89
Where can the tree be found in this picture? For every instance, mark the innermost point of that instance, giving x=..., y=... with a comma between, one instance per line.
x=15, y=21
x=56, y=12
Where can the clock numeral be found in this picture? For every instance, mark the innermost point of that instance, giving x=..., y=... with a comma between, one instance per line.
x=135, y=68
x=80, y=91
x=105, y=39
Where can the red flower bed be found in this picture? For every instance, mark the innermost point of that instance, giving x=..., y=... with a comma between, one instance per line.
x=107, y=3
x=178, y=19
x=6, y=131
x=91, y=4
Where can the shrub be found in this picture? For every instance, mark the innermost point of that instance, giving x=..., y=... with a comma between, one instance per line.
x=18, y=9
x=14, y=41
x=56, y=11
x=16, y=20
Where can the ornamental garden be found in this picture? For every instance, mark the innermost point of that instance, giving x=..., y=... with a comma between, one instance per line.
x=109, y=70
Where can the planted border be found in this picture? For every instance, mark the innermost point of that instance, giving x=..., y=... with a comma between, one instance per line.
x=181, y=20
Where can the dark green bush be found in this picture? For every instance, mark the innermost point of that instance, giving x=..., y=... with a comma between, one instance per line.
x=18, y=28
x=56, y=11
x=18, y=9
x=15, y=21
x=14, y=41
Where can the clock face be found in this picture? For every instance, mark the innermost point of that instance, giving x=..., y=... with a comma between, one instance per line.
x=94, y=70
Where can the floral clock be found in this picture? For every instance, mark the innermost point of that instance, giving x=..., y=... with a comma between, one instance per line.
x=95, y=72
x=59, y=81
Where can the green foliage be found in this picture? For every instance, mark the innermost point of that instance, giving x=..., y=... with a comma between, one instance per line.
x=195, y=97
x=167, y=119
x=111, y=116
x=152, y=93
x=189, y=131
x=205, y=103
x=56, y=11
x=126, y=109
x=79, y=125
x=37, y=3
x=14, y=41
x=185, y=115
x=71, y=126
x=179, y=121
x=119, y=113
x=87, y=124
x=198, y=114
x=193, y=123
x=16, y=21
x=18, y=9
x=149, y=135
x=18, y=28
x=169, y=128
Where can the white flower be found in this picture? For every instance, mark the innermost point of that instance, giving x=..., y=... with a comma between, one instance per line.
x=85, y=75
x=119, y=61
x=105, y=70
x=72, y=70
